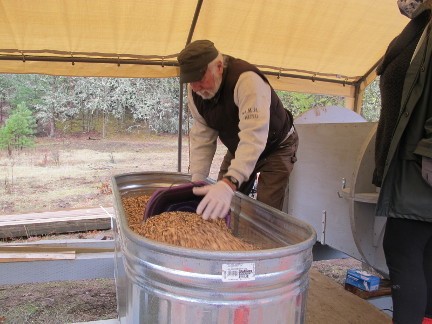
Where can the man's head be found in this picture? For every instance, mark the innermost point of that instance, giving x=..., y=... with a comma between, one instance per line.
x=201, y=65
x=413, y=8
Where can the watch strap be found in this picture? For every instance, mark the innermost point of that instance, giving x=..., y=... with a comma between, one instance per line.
x=233, y=181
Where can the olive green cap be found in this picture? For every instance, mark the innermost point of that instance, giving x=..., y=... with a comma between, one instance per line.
x=194, y=59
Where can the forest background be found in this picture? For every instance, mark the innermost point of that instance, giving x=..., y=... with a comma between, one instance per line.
x=63, y=138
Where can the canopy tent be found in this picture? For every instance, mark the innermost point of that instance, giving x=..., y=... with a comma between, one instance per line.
x=315, y=46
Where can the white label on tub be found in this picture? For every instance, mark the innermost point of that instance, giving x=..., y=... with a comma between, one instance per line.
x=238, y=272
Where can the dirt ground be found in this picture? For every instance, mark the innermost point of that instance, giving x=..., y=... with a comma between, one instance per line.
x=76, y=173
x=67, y=173
x=58, y=302
x=92, y=300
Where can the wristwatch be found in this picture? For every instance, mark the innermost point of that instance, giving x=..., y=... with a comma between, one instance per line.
x=232, y=180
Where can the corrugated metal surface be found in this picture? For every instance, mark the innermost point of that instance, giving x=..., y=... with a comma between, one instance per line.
x=159, y=283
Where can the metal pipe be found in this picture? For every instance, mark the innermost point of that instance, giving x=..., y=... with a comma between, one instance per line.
x=194, y=21
x=323, y=227
x=305, y=77
x=75, y=59
x=119, y=61
x=180, y=129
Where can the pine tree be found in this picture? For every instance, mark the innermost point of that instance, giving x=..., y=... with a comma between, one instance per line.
x=19, y=129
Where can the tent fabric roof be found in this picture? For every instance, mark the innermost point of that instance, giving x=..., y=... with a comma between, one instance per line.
x=335, y=43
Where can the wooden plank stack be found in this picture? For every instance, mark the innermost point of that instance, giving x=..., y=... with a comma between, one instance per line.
x=48, y=223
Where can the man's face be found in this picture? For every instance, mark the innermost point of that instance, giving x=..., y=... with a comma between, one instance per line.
x=208, y=86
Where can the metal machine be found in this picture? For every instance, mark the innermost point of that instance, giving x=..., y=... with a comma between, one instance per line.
x=331, y=185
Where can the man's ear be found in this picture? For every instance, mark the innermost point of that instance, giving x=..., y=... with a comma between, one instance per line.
x=220, y=67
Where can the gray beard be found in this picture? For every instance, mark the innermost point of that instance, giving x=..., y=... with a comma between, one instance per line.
x=208, y=94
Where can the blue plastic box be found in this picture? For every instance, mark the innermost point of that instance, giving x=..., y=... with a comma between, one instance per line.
x=362, y=280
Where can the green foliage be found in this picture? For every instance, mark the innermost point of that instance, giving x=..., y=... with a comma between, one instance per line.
x=298, y=103
x=24, y=88
x=6, y=87
x=158, y=105
x=121, y=105
x=19, y=129
x=371, y=108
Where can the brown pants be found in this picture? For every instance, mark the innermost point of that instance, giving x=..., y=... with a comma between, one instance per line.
x=274, y=172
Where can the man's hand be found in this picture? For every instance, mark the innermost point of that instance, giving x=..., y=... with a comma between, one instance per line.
x=216, y=202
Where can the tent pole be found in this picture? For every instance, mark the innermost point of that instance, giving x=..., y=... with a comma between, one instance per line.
x=194, y=21
x=180, y=129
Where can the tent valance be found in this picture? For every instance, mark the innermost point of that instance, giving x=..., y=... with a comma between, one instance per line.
x=311, y=46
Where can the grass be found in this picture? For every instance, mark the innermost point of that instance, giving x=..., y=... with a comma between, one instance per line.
x=74, y=172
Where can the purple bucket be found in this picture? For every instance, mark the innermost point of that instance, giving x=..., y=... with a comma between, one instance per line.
x=176, y=198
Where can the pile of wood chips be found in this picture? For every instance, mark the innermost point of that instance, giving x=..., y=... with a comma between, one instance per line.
x=182, y=228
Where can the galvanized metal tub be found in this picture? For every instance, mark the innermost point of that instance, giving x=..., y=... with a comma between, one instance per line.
x=160, y=283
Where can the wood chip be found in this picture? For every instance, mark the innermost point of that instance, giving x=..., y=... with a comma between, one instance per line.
x=182, y=229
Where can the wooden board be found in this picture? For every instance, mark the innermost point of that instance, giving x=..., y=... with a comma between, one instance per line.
x=35, y=256
x=64, y=221
x=8, y=248
x=329, y=303
x=383, y=290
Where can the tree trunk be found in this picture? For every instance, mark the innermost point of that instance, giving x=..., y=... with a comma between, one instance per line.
x=1, y=110
x=103, y=124
x=52, y=127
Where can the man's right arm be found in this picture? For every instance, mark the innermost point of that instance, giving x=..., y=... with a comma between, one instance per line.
x=203, y=141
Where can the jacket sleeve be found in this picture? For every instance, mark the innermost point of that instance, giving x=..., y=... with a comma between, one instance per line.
x=424, y=146
x=203, y=140
x=252, y=95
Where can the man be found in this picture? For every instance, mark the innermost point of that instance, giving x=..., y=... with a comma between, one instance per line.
x=233, y=100
x=403, y=161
